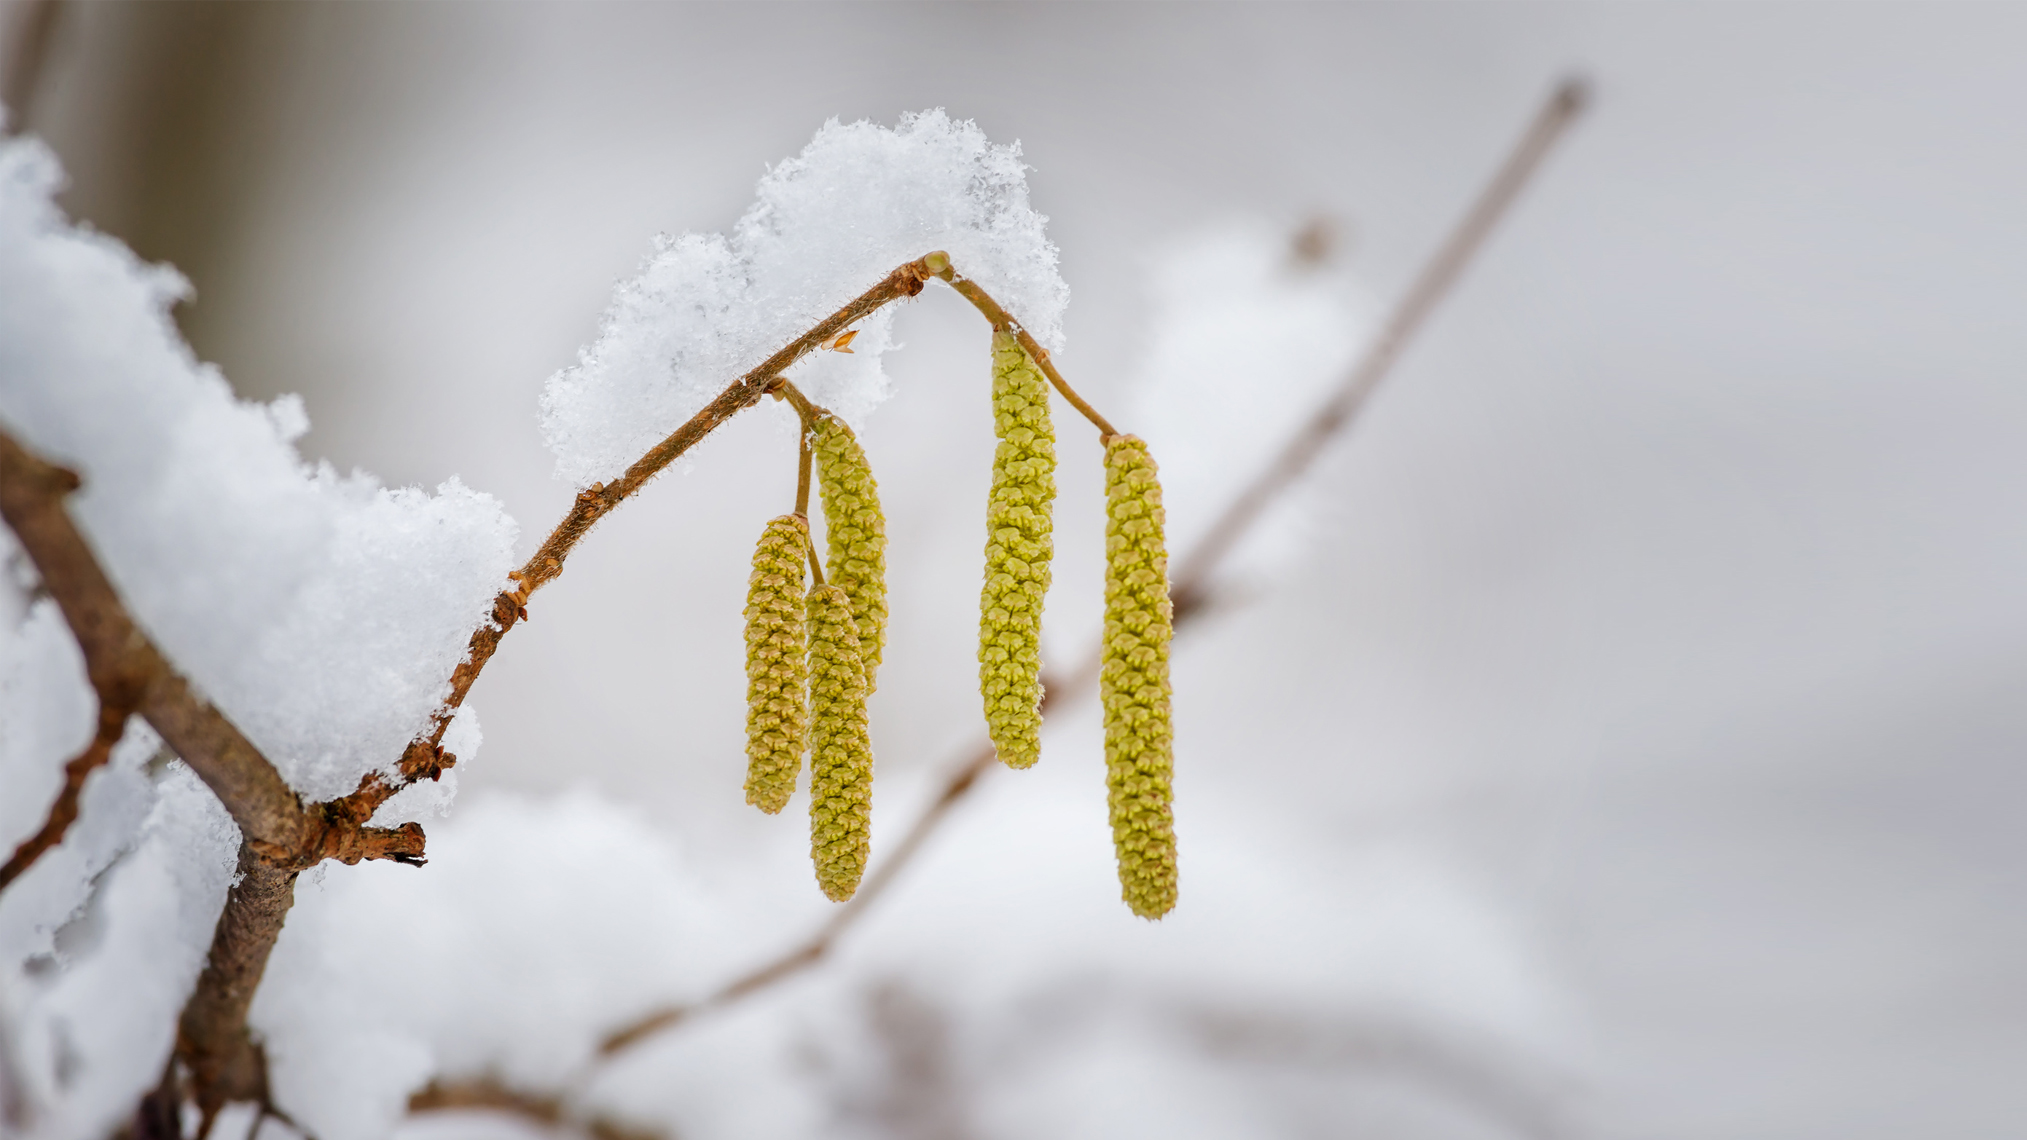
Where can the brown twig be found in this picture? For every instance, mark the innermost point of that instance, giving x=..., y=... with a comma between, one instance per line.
x=493, y=1094
x=424, y=757
x=1189, y=587
x=114, y=709
x=279, y=838
x=939, y=264
x=119, y=658
x=1193, y=573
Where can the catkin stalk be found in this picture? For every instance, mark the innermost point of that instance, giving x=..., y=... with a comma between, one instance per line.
x=841, y=753
x=857, y=535
x=1133, y=680
x=777, y=715
x=1018, y=547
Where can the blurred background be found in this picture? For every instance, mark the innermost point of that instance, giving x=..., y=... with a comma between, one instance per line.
x=1628, y=741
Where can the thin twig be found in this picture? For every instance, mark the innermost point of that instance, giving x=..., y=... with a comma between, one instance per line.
x=112, y=725
x=939, y=264
x=279, y=837
x=1193, y=573
x=424, y=757
x=1189, y=586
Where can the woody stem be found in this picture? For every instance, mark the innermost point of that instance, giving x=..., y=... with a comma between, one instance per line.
x=1004, y=322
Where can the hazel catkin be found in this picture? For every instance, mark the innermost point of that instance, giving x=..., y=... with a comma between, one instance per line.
x=777, y=715
x=857, y=535
x=841, y=753
x=1018, y=547
x=1133, y=680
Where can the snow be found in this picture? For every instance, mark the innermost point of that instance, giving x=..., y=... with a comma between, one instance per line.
x=91, y=1027
x=322, y=613
x=824, y=227
x=534, y=930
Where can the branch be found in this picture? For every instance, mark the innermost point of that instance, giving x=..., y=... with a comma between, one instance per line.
x=1002, y=320
x=121, y=660
x=1299, y=453
x=114, y=709
x=549, y=1111
x=279, y=837
x=424, y=758
x=1189, y=589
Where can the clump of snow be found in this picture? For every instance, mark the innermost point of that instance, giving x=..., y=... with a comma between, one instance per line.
x=322, y=613
x=111, y=811
x=90, y=1028
x=825, y=226
x=47, y=715
x=1246, y=340
x=535, y=929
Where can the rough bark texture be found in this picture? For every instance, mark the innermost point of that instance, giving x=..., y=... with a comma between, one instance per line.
x=225, y=1062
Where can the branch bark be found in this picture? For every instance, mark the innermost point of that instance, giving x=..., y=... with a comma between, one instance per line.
x=1190, y=587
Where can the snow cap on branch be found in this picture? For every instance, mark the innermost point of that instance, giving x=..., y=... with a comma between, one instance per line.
x=321, y=613
x=824, y=226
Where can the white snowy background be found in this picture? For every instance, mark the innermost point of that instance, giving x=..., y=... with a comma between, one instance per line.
x=1621, y=739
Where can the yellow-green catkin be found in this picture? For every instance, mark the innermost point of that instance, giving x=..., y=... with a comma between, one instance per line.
x=1018, y=546
x=841, y=753
x=857, y=533
x=1133, y=683
x=777, y=711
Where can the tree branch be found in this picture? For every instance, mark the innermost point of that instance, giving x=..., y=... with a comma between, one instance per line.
x=1189, y=589
x=424, y=758
x=119, y=658
x=1003, y=320
x=114, y=709
x=279, y=837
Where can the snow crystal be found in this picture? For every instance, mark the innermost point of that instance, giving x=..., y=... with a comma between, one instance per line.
x=1245, y=343
x=323, y=614
x=825, y=226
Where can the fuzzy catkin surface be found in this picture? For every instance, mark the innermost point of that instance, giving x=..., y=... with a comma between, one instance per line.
x=1018, y=546
x=777, y=711
x=841, y=752
x=857, y=535
x=1133, y=682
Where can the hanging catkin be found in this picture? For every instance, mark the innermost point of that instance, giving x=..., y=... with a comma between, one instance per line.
x=857, y=563
x=777, y=715
x=1133, y=683
x=1018, y=546
x=841, y=754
